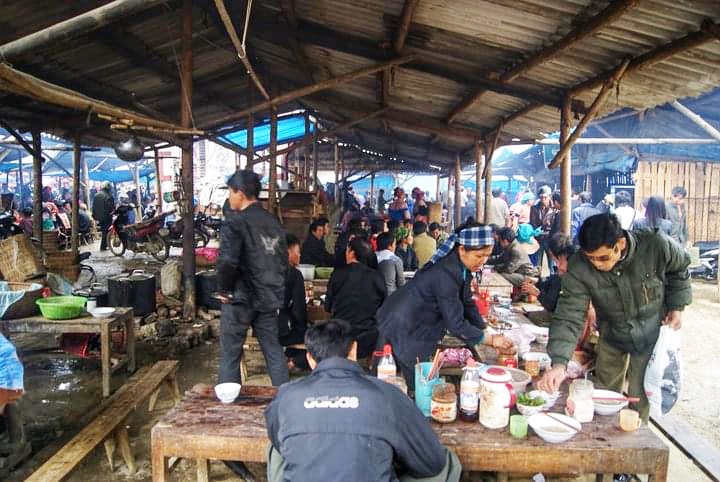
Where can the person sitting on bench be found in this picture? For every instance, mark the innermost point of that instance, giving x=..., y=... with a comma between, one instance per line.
x=293, y=313
x=513, y=263
x=340, y=424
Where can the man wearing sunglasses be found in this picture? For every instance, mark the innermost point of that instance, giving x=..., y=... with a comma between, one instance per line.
x=636, y=282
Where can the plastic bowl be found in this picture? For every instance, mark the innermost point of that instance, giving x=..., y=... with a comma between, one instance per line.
x=552, y=431
x=529, y=410
x=102, y=312
x=608, y=407
x=543, y=358
x=550, y=398
x=323, y=273
x=61, y=307
x=307, y=270
x=227, y=392
x=542, y=334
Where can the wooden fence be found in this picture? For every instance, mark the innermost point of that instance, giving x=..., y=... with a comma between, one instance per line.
x=702, y=182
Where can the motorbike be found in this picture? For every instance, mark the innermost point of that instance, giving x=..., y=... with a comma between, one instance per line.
x=8, y=226
x=140, y=237
x=708, y=269
x=175, y=232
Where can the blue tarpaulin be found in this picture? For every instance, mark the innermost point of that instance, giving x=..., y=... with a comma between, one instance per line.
x=289, y=128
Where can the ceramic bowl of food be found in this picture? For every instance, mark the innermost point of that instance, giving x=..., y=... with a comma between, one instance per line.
x=520, y=379
x=542, y=334
x=227, y=392
x=307, y=270
x=550, y=398
x=608, y=407
x=555, y=428
x=543, y=358
x=528, y=405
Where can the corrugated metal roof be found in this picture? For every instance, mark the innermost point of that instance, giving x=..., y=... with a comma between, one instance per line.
x=456, y=42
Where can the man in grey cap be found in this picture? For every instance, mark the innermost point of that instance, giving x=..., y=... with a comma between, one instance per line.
x=541, y=216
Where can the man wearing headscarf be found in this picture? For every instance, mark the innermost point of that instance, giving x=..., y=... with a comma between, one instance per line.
x=439, y=299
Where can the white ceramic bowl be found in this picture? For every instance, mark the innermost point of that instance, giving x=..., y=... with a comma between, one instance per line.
x=307, y=270
x=542, y=334
x=543, y=358
x=552, y=431
x=505, y=301
x=102, y=312
x=608, y=407
x=227, y=392
x=529, y=410
x=550, y=398
x=520, y=379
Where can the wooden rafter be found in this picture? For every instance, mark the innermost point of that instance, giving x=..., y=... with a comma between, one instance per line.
x=606, y=17
x=406, y=17
x=308, y=90
x=708, y=32
x=587, y=118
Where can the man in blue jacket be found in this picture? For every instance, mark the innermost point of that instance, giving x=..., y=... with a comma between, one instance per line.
x=340, y=424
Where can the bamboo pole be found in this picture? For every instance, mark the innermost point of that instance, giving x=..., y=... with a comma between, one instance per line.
x=450, y=208
x=489, y=148
x=316, y=182
x=250, y=162
x=566, y=172
x=138, y=197
x=587, y=118
x=696, y=119
x=75, y=221
x=479, y=207
x=76, y=26
x=21, y=182
x=186, y=90
x=85, y=184
x=158, y=181
x=437, y=187
x=458, y=188
x=337, y=174
x=372, y=190
x=26, y=85
x=310, y=89
x=37, y=183
x=272, y=187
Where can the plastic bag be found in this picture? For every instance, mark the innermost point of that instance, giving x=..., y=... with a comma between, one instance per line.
x=663, y=375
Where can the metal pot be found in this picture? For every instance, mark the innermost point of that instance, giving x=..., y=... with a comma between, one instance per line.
x=136, y=291
x=97, y=291
x=206, y=283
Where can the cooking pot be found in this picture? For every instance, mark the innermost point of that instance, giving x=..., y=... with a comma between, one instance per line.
x=97, y=291
x=206, y=283
x=136, y=290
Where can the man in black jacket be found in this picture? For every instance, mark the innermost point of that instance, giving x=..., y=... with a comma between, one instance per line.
x=340, y=424
x=251, y=273
x=313, y=249
x=293, y=314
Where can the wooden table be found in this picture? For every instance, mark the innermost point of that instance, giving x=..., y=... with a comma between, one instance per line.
x=496, y=284
x=122, y=318
x=202, y=428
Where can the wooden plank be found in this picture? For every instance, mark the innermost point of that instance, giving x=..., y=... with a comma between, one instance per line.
x=705, y=206
x=699, y=188
x=653, y=177
x=712, y=202
x=667, y=179
x=135, y=391
x=638, y=184
x=692, y=200
x=699, y=450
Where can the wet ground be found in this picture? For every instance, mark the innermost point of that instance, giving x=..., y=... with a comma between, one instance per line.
x=62, y=391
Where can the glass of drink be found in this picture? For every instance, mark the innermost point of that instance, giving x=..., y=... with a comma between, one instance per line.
x=518, y=426
x=629, y=420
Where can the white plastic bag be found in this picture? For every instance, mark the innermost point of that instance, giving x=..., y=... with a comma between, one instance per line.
x=171, y=278
x=663, y=375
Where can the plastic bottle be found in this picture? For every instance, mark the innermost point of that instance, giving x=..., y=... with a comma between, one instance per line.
x=469, y=392
x=386, y=368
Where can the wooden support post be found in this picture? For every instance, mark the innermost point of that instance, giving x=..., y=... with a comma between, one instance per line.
x=308, y=138
x=123, y=442
x=250, y=143
x=138, y=196
x=21, y=182
x=37, y=184
x=597, y=104
x=450, y=207
x=158, y=180
x=479, y=206
x=566, y=172
x=458, y=189
x=488, y=178
x=86, y=180
x=272, y=187
x=437, y=187
x=337, y=174
x=203, y=470
x=372, y=191
x=110, y=450
x=75, y=230
x=186, y=86
x=315, y=181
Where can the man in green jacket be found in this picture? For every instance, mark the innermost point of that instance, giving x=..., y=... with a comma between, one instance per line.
x=636, y=282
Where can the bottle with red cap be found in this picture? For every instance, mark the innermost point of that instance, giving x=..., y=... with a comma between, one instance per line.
x=386, y=367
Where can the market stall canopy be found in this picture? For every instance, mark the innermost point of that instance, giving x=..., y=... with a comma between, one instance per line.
x=440, y=75
x=289, y=128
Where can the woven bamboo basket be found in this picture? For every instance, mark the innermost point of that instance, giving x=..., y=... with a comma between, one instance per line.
x=25, y=307
x=19, y=260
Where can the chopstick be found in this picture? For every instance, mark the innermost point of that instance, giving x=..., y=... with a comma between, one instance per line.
x=435, y=365
x=560, y=421
x=618, y=399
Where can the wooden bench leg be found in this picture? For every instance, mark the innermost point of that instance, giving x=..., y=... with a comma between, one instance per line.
x=203, y=470
x=243, y=370
x=153, y=400
x=172, y=385
x=123, y=442
x=160, y=470
x=110, y=450
x=105, y=358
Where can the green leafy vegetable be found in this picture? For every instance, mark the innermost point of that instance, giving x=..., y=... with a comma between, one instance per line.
x=524, y=399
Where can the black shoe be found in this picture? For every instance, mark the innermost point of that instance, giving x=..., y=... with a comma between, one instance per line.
x=239, y=469
x=625, y=478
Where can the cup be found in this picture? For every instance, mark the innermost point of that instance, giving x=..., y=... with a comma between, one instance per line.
x=532, y=367
x=518, y=426
x=424, y=387
x=317, y=302
x=629, y=420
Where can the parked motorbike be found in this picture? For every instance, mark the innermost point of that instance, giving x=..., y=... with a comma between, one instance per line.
x=8, y=226
x=140, y=237
x=708, y=269
x=175, y=232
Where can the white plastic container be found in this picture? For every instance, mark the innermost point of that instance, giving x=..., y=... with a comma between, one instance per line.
x=497, y=396
x=386, y=367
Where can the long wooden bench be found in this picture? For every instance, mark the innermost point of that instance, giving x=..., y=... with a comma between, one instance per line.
x=109, y=426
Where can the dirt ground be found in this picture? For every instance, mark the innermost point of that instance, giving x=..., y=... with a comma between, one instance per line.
x=60, y=389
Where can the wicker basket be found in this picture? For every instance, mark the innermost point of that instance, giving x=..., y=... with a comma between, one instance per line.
x=19, y=260
x=70, y=272
x=50, y=241
x=25, y=307
x=60, y=259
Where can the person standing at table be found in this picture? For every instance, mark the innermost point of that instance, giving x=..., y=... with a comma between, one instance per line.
x=251, y=271
x=439, y=299
x=423, y=244
x=636, y=282
x=340, y=424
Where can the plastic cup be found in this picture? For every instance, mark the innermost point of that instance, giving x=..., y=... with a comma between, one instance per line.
x=629, y=420
x=424, y=387
x=518, y=426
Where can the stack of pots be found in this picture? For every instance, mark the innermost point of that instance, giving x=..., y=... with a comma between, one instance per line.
x=136, y=291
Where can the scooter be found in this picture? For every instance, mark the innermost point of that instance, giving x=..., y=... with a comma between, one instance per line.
x=708, y=269
x=140, y=237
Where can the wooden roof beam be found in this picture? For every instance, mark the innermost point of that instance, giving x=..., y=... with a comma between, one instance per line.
x=308, y=90
x=408, y=11
x=606, y=17
x=76, y=26
x=708, y=32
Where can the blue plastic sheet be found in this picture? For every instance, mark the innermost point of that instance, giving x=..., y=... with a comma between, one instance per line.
x=11, y=370
x=289, y=128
